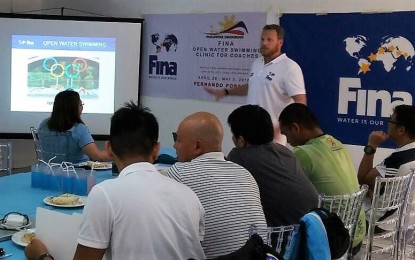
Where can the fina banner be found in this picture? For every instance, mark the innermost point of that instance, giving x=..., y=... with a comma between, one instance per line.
x=184, y=53
x=356, y=67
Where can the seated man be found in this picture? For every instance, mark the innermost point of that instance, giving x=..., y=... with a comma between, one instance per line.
x=227, y=191
x=325, y=160
x=286, y=192
x=401, y=130
x=141, y=214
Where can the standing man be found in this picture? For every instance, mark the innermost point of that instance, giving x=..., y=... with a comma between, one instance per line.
x=325, y=160
x=275, y=80
x=227, y=191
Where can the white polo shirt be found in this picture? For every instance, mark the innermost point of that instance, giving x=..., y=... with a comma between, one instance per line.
x=272, y=85
x=143, y=215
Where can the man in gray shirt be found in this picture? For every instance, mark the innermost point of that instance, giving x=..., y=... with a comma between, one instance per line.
x=286, y=192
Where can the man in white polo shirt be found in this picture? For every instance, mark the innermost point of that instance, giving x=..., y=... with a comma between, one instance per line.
x=275, y=80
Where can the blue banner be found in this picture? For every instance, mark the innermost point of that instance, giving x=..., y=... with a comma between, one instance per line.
x=356, y=67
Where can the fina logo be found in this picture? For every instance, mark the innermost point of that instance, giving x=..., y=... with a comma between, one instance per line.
x=392, y=53
x=167, y=44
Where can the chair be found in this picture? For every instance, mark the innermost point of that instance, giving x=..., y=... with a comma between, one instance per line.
x=50, y=146
x=388, y=202
x=6, y=157
x=281, y=238
x=347, y=207
x=407, y=233
x=36, y=142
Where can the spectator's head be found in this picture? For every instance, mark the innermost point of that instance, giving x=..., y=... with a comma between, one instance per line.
x=67, y=110
x=251, y=125
x=401, y=124
x=197, y=134
x=133, y=135
x=299, y=124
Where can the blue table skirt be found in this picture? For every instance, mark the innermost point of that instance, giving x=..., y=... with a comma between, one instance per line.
x=16, y=194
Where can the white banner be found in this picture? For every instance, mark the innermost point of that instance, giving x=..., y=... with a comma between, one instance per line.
x=183, y=53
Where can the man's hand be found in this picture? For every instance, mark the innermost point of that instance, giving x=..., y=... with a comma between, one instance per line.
x=218, y=93
x=376, y=138
x=35, y=249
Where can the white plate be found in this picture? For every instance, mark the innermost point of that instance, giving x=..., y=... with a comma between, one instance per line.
x=82, y=200
x=16, y=228
x=101, y=165
x=18, y=236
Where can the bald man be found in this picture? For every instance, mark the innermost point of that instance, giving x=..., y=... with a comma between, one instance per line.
x=228, y=192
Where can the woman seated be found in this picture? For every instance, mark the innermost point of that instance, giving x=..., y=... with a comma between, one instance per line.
x=65, y=135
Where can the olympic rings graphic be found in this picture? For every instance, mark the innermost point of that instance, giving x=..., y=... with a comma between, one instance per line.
x=72, y=70
x=53, y=68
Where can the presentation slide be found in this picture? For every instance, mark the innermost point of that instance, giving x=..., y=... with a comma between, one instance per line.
x=43, y=55
x=42, y=66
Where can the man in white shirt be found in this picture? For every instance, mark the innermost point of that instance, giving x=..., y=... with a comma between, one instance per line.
x=142, y=214
x=275, y=80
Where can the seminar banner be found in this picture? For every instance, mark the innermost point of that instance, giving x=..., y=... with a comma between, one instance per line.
x=185, y=53
x=356, y=67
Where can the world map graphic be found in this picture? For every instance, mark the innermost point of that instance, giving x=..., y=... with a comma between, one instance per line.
x=391, y=52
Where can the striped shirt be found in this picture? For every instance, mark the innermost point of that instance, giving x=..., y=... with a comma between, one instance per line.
x=230, y=197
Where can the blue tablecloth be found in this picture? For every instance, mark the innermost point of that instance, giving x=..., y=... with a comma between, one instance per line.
x=16, y=194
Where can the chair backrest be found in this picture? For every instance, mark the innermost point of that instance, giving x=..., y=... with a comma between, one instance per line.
x=279, y=238
x=347, y=207
x=49, y=145
x=6, y=157
x=407, y=232
x=388, y=202
x=36, y=142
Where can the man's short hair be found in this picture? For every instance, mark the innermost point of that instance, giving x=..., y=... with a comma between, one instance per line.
x=405, y=116
x=300, y=114
x=134, y=131
x=277, y=28
x=253, y=123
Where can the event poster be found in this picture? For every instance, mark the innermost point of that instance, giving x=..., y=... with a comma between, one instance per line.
x=185, y=53
x=356, y=67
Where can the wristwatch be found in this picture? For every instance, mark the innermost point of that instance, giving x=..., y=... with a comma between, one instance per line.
x=369, y=150
x=46, y=256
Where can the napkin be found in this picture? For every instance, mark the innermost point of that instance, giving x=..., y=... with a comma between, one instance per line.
x=58, y=231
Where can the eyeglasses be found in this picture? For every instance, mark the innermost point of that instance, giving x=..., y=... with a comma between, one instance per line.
x=393, y=122
x=174, y=136
x=81, y=104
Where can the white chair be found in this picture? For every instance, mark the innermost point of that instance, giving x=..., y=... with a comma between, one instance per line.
x=36, y=142
x=407, y=233
x=279, y=238
x=6, y=157
x=348, y=208
x=389, y=197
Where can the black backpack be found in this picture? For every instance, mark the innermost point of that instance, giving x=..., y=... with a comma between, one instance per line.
x=337, y=234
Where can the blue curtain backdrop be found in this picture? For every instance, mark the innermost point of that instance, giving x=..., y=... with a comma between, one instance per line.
x=356, y=67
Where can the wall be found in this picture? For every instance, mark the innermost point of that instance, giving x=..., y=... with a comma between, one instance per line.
x=171, y=112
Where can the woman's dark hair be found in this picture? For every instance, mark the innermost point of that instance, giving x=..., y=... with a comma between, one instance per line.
x=253, y=123
x=65, y=113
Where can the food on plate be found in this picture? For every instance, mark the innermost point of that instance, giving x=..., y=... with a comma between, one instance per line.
x=65, y=199
x=28, y=237
x=97, y=165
